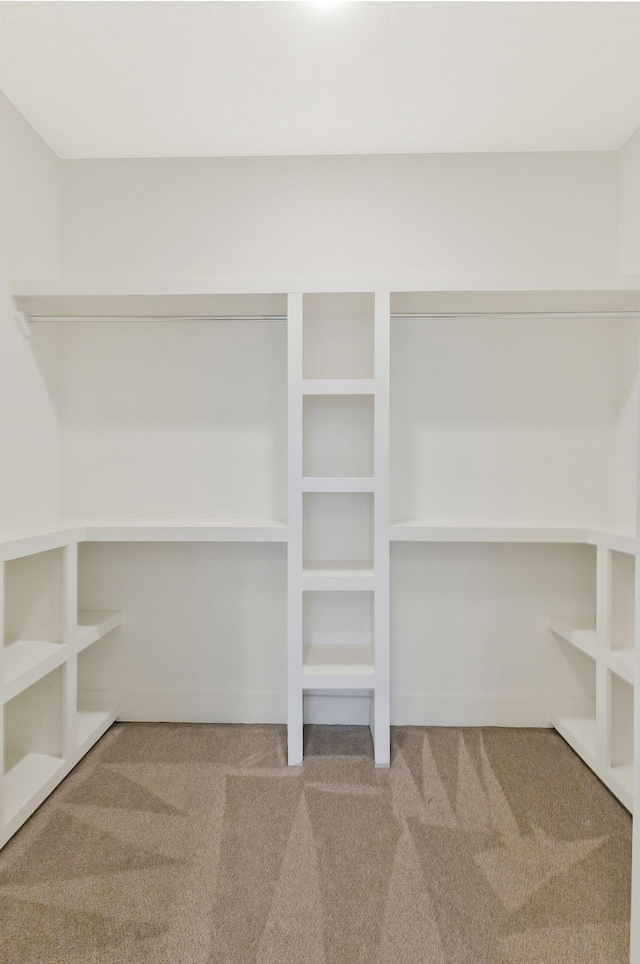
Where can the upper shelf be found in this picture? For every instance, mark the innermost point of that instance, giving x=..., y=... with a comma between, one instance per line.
x=112, y=297
x=424, y=531
x=15, y=544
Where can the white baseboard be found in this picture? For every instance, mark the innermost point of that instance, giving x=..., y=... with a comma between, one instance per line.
x=428, y=709
x=421, y=709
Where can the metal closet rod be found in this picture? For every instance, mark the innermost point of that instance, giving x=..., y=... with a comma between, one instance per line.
x=518, y=315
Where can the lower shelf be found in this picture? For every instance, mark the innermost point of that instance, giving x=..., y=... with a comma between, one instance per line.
x=338, y=666
x=91, y=724
x=580, y=734
x=26, y=780
x=624, y=777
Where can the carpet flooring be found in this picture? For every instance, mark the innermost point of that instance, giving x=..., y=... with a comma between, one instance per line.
x=196, y=844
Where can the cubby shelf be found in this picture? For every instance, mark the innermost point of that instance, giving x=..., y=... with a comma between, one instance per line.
x=338, y=665
x=337, y=484
x=580, y=734
x=332, y=576
x=91, y=724
x=27, y=662
x=621, y=662
x=338, y=386
x=580, y=631
x=622, y=780
x=28, y=782
x=94, y=624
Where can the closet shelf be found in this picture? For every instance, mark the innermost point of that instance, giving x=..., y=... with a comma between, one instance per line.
x=185, y=530
x=336, y=666
x=94, y=624
x=28, y=782
x=580, y=734
x=25, y=662
x=484, y=532
x=622, y=779
x=91, y=724
x=622, y=662
x=338, y=386
x=580, y=631
x=337, y=484
x=338, y=575
x=426, y=531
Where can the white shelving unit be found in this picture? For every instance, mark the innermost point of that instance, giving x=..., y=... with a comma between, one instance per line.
x=45, y=727
x=338, y=564
x=604, y=644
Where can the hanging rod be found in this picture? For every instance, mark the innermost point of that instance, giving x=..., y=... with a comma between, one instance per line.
x=516, y=315
x=36, y=319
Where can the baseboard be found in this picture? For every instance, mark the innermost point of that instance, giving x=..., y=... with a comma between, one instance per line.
x=428, y=709
x=422, y=709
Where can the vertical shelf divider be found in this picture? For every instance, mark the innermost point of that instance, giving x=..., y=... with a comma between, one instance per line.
x=295, y=696
x=603, y=634
x=70, y=637
x=380, y=709
x=635, y=848
x=2, y=631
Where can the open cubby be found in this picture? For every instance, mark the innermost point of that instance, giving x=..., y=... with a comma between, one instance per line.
x=623, y=573
x=338, y=435
x=338, y=336
x=33, y=607
x=337, y=634
x=95, y=708
x=33, y=741
x=576, y=719
x=337, y=530
x=621, y=722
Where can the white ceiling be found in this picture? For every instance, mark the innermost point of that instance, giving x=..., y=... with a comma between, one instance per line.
x=254, y=78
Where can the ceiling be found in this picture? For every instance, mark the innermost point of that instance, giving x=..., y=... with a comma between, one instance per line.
x=270, y=78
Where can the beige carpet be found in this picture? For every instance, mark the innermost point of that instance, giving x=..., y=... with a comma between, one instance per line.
x=177, y=844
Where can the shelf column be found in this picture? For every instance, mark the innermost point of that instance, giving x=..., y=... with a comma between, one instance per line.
x=635, y=851
x=380, y=709
x=295, y=698
x=603, y=633
x=69, y=637
x=2, y=641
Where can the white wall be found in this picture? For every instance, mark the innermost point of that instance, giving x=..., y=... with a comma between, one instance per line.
x=319, y=216
x=170, y=420
x=29, y=248
x=203, y=634
x=503, y=421
x=629, y=206
x=469, y=638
